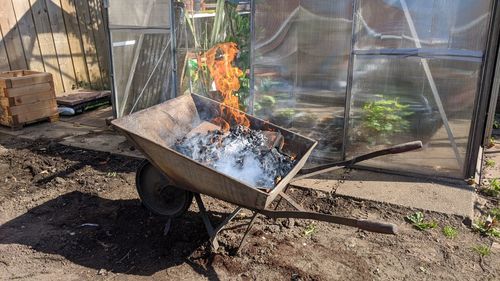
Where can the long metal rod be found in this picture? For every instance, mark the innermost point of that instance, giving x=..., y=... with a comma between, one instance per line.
x=372, y=226
x=477, y=129
x=432, y=84
x=203, y=213
x=350, y=70
x=247, y=231
x=213, y=236
x=150, y=76
x=252, y=58
x=135, y=59
x=173, y=47
x=400, y=148
x=493, y=101
x=114, y=98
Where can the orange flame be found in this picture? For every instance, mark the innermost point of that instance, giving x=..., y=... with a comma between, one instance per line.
x=219, y=61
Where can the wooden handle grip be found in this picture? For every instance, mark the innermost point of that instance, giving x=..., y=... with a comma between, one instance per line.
x=379, y=227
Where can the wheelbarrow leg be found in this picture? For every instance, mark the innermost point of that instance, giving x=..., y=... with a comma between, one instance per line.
x=247, y=231
x=213, y=237
x=203, y=214
x=212, y=233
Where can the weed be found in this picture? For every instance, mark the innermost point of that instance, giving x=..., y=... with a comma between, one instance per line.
x=487, y=227
x=450, y=232
x=111, y=174
x=495, y=213
x=493, y=189
x=489, y=163
x=310, y=229
x=491, y=142
x=417, y=220
x=496, y=124
x=482, y=250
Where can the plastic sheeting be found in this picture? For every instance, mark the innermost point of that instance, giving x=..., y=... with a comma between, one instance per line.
x=141, y=43
x=418, y=62
x=301, y=54
x=422, y=57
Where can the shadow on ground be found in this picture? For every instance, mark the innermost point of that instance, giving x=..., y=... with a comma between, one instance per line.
x=116, y=235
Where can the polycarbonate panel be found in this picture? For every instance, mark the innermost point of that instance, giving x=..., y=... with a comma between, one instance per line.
x=380, y=82
x=139, y=13
x=448, y=24
x=142, y=70
x=301, y=54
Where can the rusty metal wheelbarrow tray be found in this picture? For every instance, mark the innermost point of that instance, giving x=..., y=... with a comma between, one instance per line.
x=155, y=130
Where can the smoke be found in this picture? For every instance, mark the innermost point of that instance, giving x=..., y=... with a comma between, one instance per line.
x=241, y=153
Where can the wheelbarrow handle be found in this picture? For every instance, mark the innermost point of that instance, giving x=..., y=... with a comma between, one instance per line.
x=404, y=147
x=372, y=226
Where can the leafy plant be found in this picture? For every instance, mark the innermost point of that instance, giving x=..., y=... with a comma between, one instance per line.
x=384, y=118
x=489, y=163
x=495, y=213
x=482, y=250
x=450, y=232
x=310, y=229
x=286, y=113
x=417, y=220
x=487, y=227
x=493, y=189
x=496, y=124
x=491, y=142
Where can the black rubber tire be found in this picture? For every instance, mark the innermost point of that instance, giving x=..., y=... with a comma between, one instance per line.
x=159, y=194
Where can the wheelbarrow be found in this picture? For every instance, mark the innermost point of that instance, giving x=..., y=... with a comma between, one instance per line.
x=167, y=181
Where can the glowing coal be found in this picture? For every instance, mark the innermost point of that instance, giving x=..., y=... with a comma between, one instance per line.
x=242, y=153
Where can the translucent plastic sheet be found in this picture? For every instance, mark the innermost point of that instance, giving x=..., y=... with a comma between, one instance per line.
x=409, y=63
x=142, y=70
x=301, y=54
x=451, y=24
x=141, y=44
x=380, y=82
x=139, y=13
x=418, y=62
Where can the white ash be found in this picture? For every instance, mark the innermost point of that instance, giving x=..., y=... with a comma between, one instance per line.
x=241, y=153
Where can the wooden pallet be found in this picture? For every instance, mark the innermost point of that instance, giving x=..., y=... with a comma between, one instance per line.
x=83, y=100
x=26, y=97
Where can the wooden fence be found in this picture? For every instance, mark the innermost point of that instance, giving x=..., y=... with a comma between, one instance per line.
x=67, y=38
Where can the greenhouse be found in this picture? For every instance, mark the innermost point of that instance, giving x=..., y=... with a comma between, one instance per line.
x=355, y=75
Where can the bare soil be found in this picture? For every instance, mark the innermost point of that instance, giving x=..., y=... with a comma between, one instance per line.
x=71, y=214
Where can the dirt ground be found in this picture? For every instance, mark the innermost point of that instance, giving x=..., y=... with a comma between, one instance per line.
x=70, y=214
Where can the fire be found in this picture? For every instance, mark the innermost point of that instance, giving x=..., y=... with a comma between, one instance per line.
x=218, y=60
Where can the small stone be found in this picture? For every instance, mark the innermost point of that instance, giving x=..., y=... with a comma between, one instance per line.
x=495, y=247
x=60, y=180
x=101, y=271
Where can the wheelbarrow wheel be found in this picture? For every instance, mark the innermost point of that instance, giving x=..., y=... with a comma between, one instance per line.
x=159, y=194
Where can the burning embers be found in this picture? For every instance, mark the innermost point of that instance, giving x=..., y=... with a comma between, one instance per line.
x=251, y=156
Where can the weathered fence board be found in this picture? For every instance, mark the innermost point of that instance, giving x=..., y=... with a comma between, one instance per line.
x=11, y=36
x=29, y=37
x=64, y=37
x=89, y=45
x=4, y=61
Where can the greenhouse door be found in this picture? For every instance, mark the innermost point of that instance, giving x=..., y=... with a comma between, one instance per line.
x=415, y=74
x=141, y=50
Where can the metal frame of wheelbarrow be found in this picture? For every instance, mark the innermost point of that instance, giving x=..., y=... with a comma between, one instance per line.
x=181, y=199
